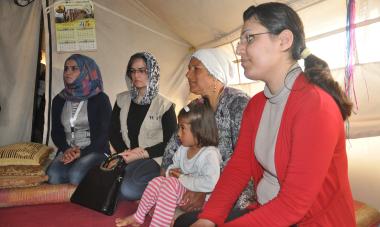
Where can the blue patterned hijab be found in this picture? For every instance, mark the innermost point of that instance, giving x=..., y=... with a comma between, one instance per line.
x=88, y=83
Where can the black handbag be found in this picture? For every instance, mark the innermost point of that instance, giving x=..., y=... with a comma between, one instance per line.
x=99, y=189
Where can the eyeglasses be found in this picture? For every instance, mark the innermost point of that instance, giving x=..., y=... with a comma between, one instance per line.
x=135, y=71
x=72, y=68
x=249, y=38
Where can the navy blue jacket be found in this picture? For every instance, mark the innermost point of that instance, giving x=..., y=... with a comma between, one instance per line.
x=99, y=117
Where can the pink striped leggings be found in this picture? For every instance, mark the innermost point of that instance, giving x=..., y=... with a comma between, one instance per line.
x=166, y=193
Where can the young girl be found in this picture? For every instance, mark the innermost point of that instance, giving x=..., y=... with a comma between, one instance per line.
x=196, y=167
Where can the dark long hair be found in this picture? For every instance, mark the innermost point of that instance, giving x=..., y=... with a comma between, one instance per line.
x=202, y=121
x=277, y=17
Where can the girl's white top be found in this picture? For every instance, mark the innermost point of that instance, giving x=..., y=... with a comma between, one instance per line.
x=201, y=172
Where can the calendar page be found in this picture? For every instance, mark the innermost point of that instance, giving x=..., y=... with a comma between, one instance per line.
x=75, y=25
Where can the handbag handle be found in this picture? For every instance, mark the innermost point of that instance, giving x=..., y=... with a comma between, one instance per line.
x=105, y=163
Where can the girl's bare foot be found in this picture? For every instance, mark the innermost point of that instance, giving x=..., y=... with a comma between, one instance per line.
x=130, y=220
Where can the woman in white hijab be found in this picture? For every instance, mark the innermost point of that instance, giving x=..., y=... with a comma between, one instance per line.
x=209, y=71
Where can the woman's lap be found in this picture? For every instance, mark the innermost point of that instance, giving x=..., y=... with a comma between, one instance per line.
x=137, y=176
x=74, y=172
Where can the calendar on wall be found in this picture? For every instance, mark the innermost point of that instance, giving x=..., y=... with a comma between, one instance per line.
x=75, y=25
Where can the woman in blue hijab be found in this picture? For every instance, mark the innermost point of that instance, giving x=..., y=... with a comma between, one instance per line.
x=81, y=115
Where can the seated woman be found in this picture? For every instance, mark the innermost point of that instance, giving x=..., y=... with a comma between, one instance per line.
x=142, y=123
x=208, y=73
x=81, y=114
x=292, y=138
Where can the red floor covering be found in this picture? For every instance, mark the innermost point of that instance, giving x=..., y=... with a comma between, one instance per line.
x=62, y=215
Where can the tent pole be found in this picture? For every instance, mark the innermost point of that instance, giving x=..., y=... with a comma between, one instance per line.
x=49, y=74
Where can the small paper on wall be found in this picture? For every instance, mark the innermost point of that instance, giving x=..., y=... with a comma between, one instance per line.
x=75, y=25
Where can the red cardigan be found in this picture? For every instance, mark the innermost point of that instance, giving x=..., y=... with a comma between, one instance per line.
x=310, y=160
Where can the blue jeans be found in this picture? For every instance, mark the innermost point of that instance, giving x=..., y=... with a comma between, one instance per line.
x=137, y=176
x=73, y=172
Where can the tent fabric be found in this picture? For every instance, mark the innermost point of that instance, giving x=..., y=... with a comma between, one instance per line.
x=171, y=30
x=365, y=119
x=19, y=40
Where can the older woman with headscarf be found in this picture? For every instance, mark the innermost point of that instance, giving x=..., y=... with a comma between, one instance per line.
x=209, y=71
x=142, y=124
x=81, y=114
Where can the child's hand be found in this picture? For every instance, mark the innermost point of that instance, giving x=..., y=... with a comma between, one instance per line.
x=176, y=172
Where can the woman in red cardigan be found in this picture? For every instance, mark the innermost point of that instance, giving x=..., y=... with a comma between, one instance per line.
x=292, y=138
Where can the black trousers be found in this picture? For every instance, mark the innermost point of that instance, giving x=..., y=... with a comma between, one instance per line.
x=189, y=218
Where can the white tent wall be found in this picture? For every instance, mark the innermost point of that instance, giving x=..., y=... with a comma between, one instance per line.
x=365, y=118
x=19, y=39
x=364, y=169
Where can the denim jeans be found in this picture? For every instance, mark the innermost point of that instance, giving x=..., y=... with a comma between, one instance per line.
x=137, y=176
x=73, y=172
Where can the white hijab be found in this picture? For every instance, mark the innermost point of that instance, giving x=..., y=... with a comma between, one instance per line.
x=217, y=63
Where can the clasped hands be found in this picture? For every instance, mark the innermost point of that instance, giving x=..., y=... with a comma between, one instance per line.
x=70, y=155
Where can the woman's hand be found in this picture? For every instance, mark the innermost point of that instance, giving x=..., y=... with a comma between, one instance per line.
x=203, y=223
x=70, y=155
x=134, y=154
x=140, y=152
x=176, y=172
x=192, y=201
x=128, y=156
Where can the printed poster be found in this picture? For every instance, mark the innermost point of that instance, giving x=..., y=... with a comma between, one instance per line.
x=75, y=25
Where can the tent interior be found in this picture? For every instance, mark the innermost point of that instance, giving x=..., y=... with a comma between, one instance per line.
x=171, y=30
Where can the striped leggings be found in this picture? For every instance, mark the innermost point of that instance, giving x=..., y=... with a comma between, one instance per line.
x=166, y=193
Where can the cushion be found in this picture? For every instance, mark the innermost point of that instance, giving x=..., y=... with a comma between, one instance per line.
x=18, y=170
x=41, y=194
x=21, y=181
x=366, y=216
x=24, y=154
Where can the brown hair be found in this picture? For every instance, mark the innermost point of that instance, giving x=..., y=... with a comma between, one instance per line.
x=277, y=17
x=202, y=121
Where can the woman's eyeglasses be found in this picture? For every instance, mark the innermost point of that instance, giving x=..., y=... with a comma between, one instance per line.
x=249, y=38
x=135, y=71
x=71, y=68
